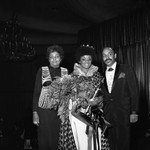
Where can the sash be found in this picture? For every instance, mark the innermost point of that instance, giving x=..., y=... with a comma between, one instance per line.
x=44, y=99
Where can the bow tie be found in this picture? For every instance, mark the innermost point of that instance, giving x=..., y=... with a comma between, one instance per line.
x=110, y=69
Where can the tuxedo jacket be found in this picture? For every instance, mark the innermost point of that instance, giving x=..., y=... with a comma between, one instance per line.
x=124, y=96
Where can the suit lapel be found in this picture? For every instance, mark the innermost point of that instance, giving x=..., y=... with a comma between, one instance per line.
x=105, y=83
x=115, y=76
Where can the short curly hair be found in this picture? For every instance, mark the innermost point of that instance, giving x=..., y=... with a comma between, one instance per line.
x=85, y=50
x=55, y=48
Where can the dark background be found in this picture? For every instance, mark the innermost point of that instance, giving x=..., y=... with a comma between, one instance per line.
x=124, y=24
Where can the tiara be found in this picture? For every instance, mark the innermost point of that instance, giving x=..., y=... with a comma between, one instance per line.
x=87, y=45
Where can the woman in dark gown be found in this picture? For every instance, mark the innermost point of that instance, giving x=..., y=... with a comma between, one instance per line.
x=46, y=119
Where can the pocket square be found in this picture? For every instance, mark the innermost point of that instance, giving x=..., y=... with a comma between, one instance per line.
x=121, y=75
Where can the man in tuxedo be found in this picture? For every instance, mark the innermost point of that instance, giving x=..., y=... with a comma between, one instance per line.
x=121, y=99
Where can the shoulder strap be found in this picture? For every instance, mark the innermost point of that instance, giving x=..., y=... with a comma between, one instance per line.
x=64, y=71
x=46, y=74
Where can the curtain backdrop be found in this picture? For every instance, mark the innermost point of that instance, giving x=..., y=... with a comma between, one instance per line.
x=130, y=36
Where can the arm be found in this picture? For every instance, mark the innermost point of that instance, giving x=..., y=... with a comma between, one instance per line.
x=134, y=93
x=36, y=94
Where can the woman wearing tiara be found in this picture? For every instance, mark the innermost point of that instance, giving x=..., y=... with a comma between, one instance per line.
x=79, y=129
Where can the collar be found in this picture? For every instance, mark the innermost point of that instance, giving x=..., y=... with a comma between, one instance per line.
x=113, y=66
x=78, y=71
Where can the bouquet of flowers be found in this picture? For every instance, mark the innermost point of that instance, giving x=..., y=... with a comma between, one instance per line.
x=58, y=89
x=80, y=90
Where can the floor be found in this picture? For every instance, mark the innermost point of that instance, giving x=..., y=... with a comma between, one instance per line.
x=140, y=141
x=143, y=143
x=140, y=138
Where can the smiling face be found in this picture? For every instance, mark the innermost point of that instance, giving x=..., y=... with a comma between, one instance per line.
x=54, y=59
x=109, y=56
x=85, y=61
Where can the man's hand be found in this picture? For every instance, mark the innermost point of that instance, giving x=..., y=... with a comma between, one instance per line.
x=133, y=118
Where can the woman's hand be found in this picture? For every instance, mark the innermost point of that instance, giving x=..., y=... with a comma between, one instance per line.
x=96, y=101
x=35, y=118
x=84, y=104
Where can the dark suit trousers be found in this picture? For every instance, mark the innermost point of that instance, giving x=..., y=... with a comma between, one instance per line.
x=119, y=133
x=119, y=138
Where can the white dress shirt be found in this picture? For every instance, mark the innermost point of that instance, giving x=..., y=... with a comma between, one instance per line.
x=110, y=76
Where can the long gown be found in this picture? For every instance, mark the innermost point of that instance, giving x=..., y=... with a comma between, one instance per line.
x=48, y=130
x=74, y=134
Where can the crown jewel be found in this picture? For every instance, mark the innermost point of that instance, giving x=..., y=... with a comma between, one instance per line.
x=87, y=45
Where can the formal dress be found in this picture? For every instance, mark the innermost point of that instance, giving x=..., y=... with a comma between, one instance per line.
x=49, y=126
x=75, y=133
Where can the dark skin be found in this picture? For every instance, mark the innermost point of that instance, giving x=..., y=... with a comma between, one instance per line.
x=92, y=102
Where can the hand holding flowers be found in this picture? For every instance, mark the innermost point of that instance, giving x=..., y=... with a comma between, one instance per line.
x=81, y=90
